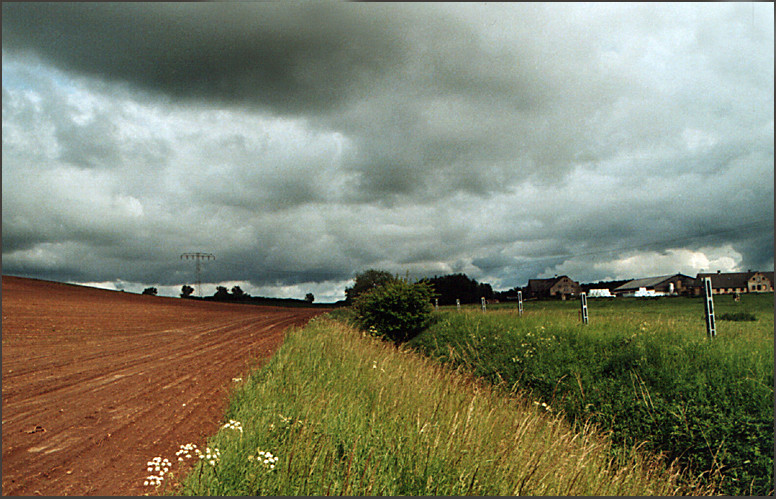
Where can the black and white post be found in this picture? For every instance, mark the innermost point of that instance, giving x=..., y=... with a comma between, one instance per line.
x=519, y=303
x=583, y=299
x=483, y=303
x=458, y=304
x=711, y=326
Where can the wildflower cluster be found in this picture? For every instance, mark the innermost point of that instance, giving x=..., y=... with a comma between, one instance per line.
x=532, y=344
x=153, y=480
x=160, y=467
x=186, y=450
x=264, y=458
x=233, y=425
x=211, y=456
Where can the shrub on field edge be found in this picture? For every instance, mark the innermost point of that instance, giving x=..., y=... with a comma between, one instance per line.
x=396, y=310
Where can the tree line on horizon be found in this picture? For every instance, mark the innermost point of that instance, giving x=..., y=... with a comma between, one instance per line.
x=447, y=289
x=236, y=294
x=451, y=287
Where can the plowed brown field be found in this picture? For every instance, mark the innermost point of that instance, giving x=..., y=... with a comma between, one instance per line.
x=97, y=382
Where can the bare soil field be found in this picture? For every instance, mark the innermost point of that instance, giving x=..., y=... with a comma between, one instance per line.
x=96, y=382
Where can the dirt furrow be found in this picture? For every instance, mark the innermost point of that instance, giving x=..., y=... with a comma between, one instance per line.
x=96, y=383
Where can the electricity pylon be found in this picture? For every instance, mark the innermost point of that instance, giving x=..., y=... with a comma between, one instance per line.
x=198, y=257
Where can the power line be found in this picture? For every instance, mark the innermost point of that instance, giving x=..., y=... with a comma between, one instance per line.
x=198, y=257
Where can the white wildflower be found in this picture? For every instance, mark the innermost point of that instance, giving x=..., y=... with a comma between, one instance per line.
x=233, y=425
x=211, y=456
x=265, y=458
x=185, y=451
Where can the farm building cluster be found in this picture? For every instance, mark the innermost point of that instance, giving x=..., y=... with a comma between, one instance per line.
x=564, y=287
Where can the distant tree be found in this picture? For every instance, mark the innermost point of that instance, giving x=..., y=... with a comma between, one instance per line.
x=221, y=293
x=367, y=281
x=186, y=290
x=238, y=293
x=510, y=294
x=459, y=286
x=309, y=298
x=150, y=291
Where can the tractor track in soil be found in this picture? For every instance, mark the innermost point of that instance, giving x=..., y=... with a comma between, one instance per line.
x=95, y=383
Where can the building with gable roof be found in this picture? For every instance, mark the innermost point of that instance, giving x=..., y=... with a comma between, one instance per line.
x=675, y=284
x=736, y=282
x=554, y=287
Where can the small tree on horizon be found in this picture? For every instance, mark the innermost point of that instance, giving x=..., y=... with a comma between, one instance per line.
x=221, y=293
x=186, y=291
x=150, y=291
x=309, y=298
x=367, y=281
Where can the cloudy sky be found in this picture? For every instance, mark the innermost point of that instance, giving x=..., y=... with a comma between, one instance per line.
x=302, y=143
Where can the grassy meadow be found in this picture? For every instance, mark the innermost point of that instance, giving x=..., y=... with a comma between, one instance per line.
x=642, y=369
x=338, y=412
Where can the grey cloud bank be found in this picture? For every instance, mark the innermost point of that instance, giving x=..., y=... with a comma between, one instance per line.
x=302, y=143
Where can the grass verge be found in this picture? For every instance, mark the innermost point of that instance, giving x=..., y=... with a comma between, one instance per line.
x=344, y=414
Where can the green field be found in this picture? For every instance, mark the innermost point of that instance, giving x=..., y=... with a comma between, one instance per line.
x=637, y=402
x=344, y=413
x=642, y=369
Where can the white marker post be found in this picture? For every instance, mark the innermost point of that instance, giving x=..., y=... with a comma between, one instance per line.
x=458, y=304
x=436, y=304
x=483, y=303
x=519, y=303
x=711, y=326
x=583, y=299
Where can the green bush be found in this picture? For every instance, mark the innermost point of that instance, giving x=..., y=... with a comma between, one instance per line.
x=396, y=310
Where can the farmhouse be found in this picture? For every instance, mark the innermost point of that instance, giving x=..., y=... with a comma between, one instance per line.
x=657, y=286
x=554, y=287
x=736, y=282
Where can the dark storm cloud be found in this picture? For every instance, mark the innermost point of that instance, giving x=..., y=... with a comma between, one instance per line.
x=429, y=102
x=289, y=57
x=304, y=142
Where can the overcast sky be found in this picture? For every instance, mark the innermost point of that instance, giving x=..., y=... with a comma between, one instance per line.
x=302, y=143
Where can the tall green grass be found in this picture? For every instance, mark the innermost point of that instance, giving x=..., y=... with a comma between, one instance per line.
x=643, y=369
x=349, y=414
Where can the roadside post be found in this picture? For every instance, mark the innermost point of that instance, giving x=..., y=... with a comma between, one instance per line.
x=583, y=299
x=711, y=326
x=458, y=304
x=436, y=304
x=483, y=303
x=519, y=303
